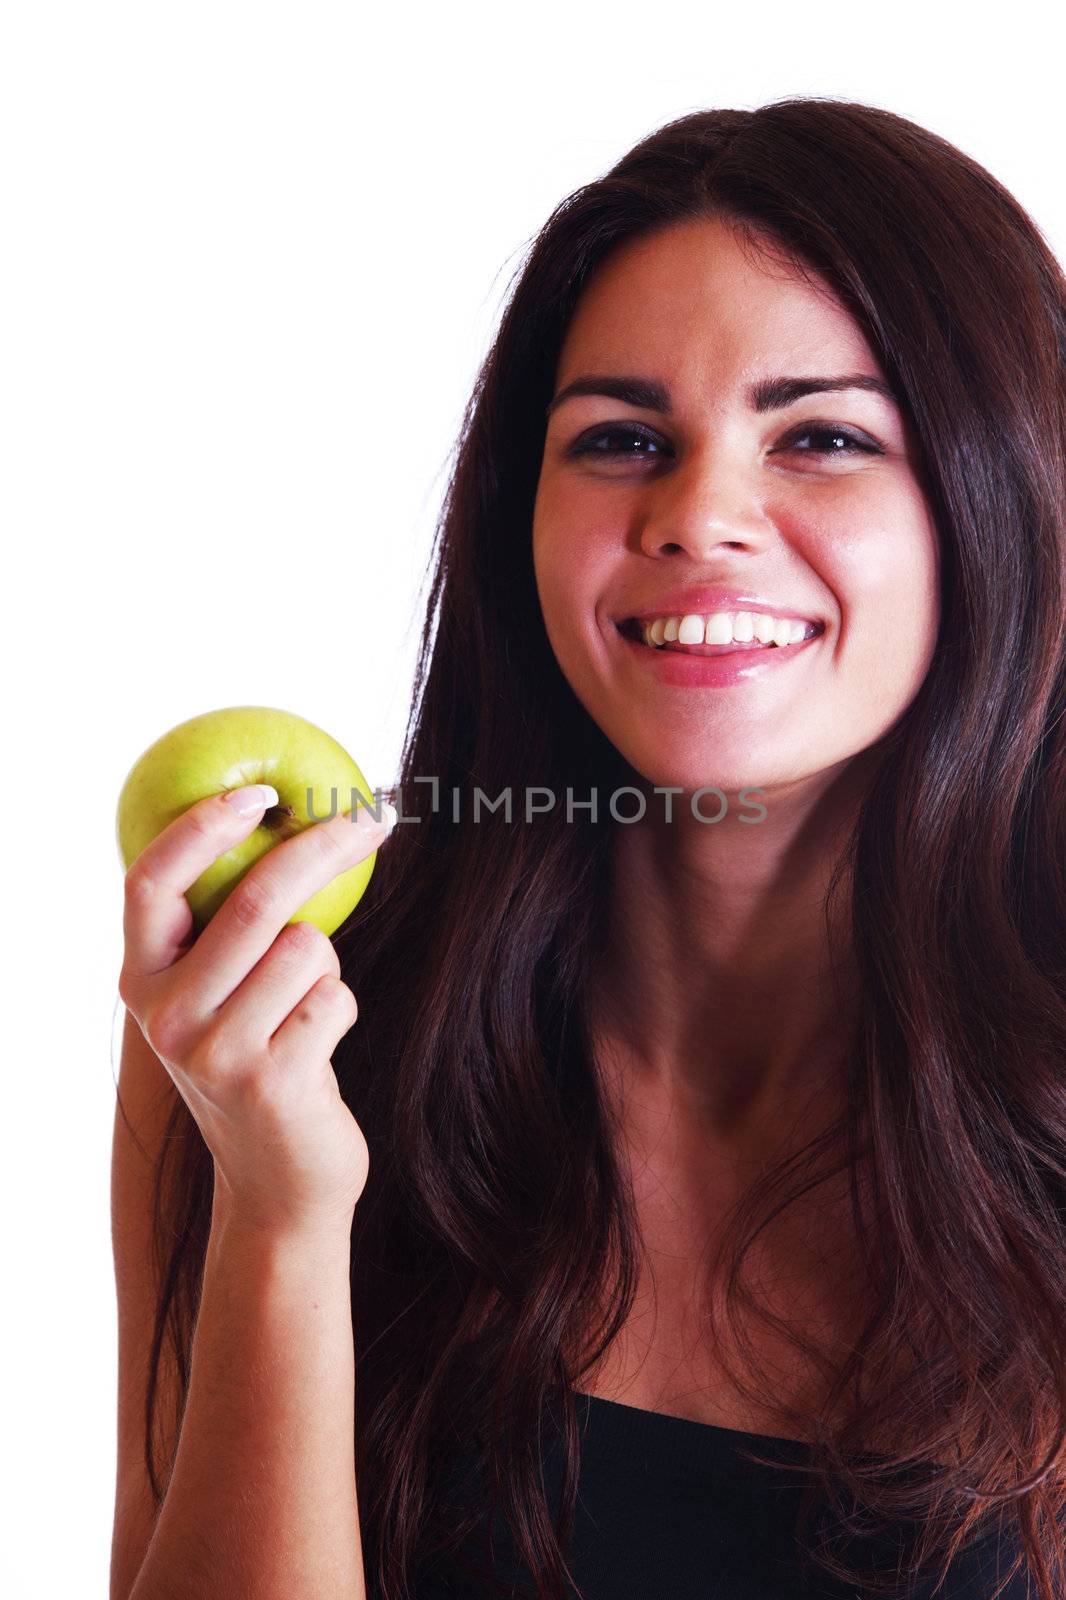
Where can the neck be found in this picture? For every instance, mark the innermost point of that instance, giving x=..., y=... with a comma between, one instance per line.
x=723, y=990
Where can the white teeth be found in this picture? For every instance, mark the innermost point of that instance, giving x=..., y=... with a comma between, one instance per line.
x=726, y=627
x=719, y=628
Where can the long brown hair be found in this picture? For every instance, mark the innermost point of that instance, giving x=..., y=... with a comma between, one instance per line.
x=494, y=1201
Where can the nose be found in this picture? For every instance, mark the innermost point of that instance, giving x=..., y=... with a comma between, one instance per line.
x=704, y=504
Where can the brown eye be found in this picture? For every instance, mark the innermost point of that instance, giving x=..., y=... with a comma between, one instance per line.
x=606, y=443
x=843, y=442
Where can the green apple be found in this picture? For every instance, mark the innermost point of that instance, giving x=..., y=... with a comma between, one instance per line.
x=234, y=746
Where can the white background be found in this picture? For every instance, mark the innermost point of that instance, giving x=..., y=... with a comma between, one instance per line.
x=252, y=256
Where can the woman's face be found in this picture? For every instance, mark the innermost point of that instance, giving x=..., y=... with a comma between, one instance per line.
x=701, y=488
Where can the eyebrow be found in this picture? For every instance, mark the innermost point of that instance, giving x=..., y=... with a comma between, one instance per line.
x=769, y=394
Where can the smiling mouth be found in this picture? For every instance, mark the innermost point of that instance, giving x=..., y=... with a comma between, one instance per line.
x=633, y=629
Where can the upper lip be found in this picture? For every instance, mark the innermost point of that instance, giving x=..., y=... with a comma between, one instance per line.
x=706, y=599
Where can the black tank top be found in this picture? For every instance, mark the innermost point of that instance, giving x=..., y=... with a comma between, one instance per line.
x=668, y=1509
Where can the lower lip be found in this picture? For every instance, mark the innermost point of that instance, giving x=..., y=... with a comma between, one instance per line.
x=688, y=670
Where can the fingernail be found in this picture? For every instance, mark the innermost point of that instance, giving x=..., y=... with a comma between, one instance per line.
x=367, y=821
x=252, y=798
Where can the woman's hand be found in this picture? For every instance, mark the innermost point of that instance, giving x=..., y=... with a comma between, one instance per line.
x=246, y=1019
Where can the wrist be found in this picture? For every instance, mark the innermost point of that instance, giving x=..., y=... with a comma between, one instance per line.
x=234, y=1219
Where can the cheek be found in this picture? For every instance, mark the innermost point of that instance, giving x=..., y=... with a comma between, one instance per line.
x=886, y=581
x=570, y=572
x=546, y=575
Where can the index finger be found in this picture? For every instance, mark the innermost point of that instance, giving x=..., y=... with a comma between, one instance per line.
x=271, y=892
x=158, y=921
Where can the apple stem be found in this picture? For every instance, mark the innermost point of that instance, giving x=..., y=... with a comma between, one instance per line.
x=277, y=816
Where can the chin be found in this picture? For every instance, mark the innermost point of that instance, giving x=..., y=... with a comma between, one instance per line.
x=733, y=779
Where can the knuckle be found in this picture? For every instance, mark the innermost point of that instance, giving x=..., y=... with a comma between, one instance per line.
x=252, y=901
x=166, y=1026
x=336, y=995
x=203, y=819
x=323, y=998
x=301, y=940
x=332, y=844
x=215, y=1061
x=138, y=886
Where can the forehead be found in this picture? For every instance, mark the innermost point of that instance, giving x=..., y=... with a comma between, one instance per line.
x=698, y=303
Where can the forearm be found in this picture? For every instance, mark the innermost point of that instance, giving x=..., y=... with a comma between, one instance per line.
x=262, y=1500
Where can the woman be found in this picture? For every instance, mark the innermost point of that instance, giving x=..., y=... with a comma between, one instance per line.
x=725, y=1140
